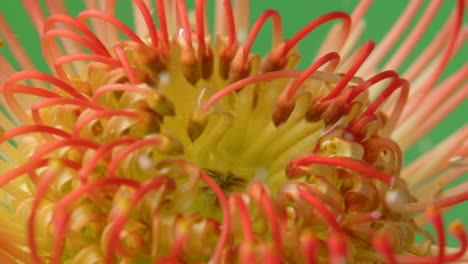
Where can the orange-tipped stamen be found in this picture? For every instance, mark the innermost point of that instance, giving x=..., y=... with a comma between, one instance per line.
x=457, y=230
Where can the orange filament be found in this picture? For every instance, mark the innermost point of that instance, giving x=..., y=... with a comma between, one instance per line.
x=113, y=20
x=232, y=37
x=66, y=33
x=81, y=56
x=434, y=215
x=110, y=173
x=187, y=32
x=116, y=87
x=277, y=31
x=327, y=215
x=149, y=21
x=126, y=64
x=308, y=159
x=333, y=58
x=200, y=7
x=36, y=75
x=316, y=23
x=49, y=148
x=381, y=242
x=258, y=192
x=102, y=114
x=162, y=20
x=60, y=101
x=73, y=22
x=309, y=246
x=245, y=217
x=337, y=247
x=100, y=154
x=118, y=223
x=12, y=174
x=249, y=80
x=43, y=129
x=61, y=217
x=27, y=89
x=42, y=187
x=362, y=54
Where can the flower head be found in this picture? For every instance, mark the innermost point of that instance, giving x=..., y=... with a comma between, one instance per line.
x=174, y=144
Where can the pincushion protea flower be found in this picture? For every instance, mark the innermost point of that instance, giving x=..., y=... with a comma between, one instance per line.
x=174, y=145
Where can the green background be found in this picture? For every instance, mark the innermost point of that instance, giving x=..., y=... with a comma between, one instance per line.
x=296, y=14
